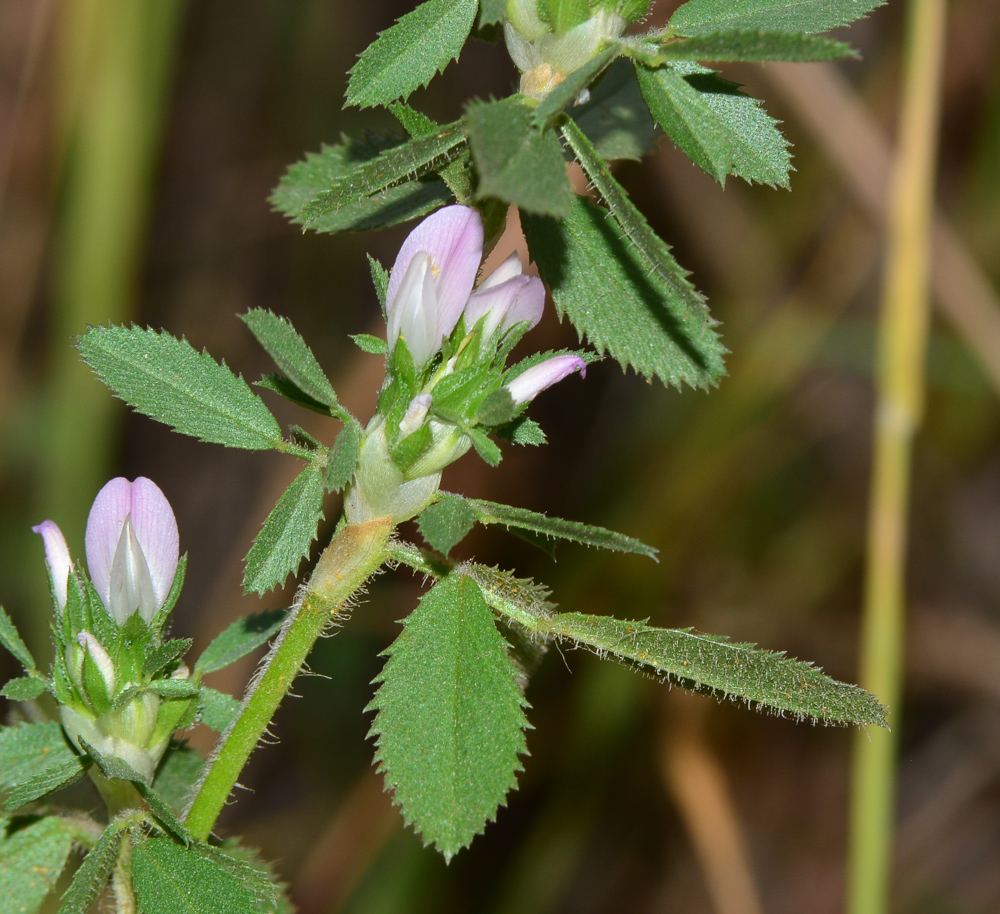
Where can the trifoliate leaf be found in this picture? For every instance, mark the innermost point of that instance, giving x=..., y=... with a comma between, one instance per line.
x=343, y=458
x=167, y=379
x=410, y=53
x=287, y=533
x=291, y=354
x=31, y=860
x=617, y=119
x=700, y=17
x=445, y=523
x=450, y=717
x=517, y=162
x=603, y=284
x=239, y=639
x=11, y=640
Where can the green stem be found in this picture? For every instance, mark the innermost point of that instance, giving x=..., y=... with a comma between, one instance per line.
x=900, y=379
x=354, y=555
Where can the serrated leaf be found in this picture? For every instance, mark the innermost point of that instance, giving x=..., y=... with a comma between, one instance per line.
x=491, y=12
x=497, y=409
x=739, y=672
x=516, y=162
x=287, y=533
x=170, y=879
x=239, y=639
x=24, y=688
x=319, y=171
x=450, y=717
x=517, y=598
x=488, y=512
x=31, y=860
x=35, y=759
x=754, y=45
x=699, y=17
x=485, y=447
x=283, y=387
x=291, y=354
x=173, y=688
x=566, y=92
x=369, y=183
x=217, y=709
x=688, y=119
x=94, y=872
x=410, y=53
x=522, y=431
x=456, y=173
x=380, y=279
x=11, y=640
x=343, y=458
x=445, y=523
x=602, y=283
x=162, y=656
x=616, y=119
x=372, y=345
x=167, y=379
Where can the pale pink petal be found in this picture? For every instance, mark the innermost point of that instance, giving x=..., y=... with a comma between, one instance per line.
x=539, y=377
x=56, y=557
x=521, y=298
x=453, y=237
x=510, y=268
x=156, y=530
x=528, y=305
x=414, y=316
x=104, y=529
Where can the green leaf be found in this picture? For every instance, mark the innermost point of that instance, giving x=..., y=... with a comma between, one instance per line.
x=753, y=45
x=700, y=17
x=24, y=688
x=522, y=431
x=35, y=759
x=93, y=874
x=488, y=512
x=491, y=12
x=740, y=672
x=161, y=657
x=217, y=709
x=616, y=119
x=343, y=458
x=456, y=173
x=450, y=717
x=283, y=387
x=688, y=120
x=319, y=171
x=31, y=860
x=370, y=184
x=239, y=639
x=409, y=54
x=497, y=409
x=170, y=879
x=517, y=162
x=380, y=279
x=373, y=345
x=518, y=598
x=603, y=284
x=287, y=533
x=168, y=380
x=485, y=447
x=445, y=524
x=173, y=688
x=11, y=640
x=178, y=774
x=291, y=354
x=564, y=94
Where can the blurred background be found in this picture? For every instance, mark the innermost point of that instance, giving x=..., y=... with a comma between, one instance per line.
x=138, y=145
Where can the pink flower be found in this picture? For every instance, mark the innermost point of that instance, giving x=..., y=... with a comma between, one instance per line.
x=132, y=547
x=57, y=558
x=505, y=298
x=528, y=385
x=432, y=278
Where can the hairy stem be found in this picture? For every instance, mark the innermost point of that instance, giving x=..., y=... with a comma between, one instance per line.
x=900, y=379
x=353, y=556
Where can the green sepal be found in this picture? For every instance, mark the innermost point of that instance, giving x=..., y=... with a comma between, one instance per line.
x=239, y=639
x=342, y=459
x=173, y=595
x=497, y=409
x=163, y=656
x=173, y=689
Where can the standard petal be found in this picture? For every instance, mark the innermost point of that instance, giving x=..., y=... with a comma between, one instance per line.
x=510, y=268
x=56, y=557
x=521, y=298
x=453, y=237
x=539, y=377
x=104, y=529
x=528, y=304
x=156, y=530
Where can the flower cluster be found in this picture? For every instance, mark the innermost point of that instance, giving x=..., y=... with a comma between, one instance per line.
x=108, y=627
x=549, y=39
x=448, y=386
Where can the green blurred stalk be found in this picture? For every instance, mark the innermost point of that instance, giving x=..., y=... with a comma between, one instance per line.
x=115, y=60
x=899, y=410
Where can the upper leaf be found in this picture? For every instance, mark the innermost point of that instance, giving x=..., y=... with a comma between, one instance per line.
x=31, y=860
x=167, y=379
x=450, y=717
x=410, y=53
x=604, y=285
x=699, y=17
x=740, y=672
x=291, y=354
x=320, y=171
x=239, y=639
x=287, y=532
x=516, y=161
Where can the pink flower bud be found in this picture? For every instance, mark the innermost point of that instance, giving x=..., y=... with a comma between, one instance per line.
x=528, y=385
x=57, y=558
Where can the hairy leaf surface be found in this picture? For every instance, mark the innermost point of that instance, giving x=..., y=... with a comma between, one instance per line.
x=617, y=119
x=239, y=639
x=754, y=45
x=698, y=17
x=31, y=860
x=11, y=640
x=35, y=759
